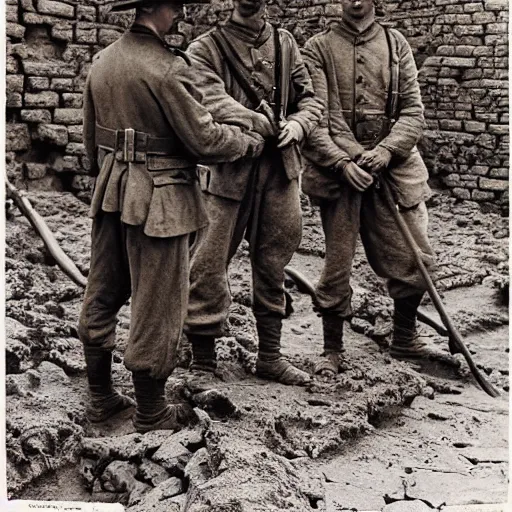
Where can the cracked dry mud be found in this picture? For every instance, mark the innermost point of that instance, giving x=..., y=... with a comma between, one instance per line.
x=381, y=432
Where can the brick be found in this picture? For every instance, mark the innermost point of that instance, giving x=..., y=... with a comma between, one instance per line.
x=11, y=65
x=496, y=28
x=14, y=83
x=468, y=30
x=500, y=172
x=107, y=36
x=463, y=115
x=482, y=51
x=63, y=163
x=490, y=184
x=42, y=99
x=17, y=137
x=68, y=116
x=36, y=116
x=473, y=7
x=498, y=129
x=11, y=13
x=75, y=148
x=62, y=32
x=461, y=193
x=28, y=5
x=480, y=195
x=75, y=133
x=472, y=74
x=49, y=68
x=77, y=53
x=86, y=35
x=459, y=62
x=448, y=124
x=55, y=8
x=62, y=84
x=474, y=126
x=464, y=50
x=38, y=83
x=85, y=13
x=484, y=17
x=53, y=134
x=479, y=170
x=496, y=5
x=14, y=100
x=489, y=117
x=15, y=30
x=35, y=171
x=445, y=50
x=72, y=100
x=452, y=180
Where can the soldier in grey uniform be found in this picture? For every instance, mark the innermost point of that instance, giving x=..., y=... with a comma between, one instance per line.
x=144, y=132
x=258, y=198
x=367, y=76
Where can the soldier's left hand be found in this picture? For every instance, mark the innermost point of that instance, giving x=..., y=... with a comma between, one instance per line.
x=290, y=132
x=375, y=160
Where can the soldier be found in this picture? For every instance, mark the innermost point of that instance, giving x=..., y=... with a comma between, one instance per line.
x=261, y=69
x=367, y=75
x=144, y=132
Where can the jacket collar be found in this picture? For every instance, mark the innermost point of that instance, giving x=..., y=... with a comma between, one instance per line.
x=348, y=31
x=255, y=38
x=136, y=28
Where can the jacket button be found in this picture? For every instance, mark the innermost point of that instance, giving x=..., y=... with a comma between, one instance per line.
x=359, y=79
x=359, y=59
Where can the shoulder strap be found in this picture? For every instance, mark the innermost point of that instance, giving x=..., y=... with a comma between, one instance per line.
x=394, y=77
x=236, y=66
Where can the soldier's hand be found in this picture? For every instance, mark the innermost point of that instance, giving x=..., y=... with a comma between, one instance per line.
x=290, y=132
x=262, y=124
x=376, y=159
x=256, y=144
x=355, y=176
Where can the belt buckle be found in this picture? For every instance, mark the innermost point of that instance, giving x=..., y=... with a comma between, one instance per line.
x=129, y=145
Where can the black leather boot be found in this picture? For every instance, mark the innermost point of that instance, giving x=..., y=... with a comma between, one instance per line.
x=105, y=402
x=270, y=363
x=407, y=344
x=153, y=412
x=331, y=361
x=204, y=357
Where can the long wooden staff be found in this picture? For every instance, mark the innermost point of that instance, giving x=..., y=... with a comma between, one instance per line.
x=42, y=229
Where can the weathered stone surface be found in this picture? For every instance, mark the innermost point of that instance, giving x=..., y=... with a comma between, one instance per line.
x=407, y=506
x=17, y=137
x=154, y=473
x=75, y=148
x=35, y=171
x=53, y=133
x=62, y=84
x=68, y=115
x=36, y=116
x=75, y=133
x=14, y=100
x=49, y=68
x=42, y=99
x=55, y=8
x=14, y=83
x=72, y=100
x=15, y=30
x=107, y=36
x=198, y=469
x=36, y=83
x=489, y=184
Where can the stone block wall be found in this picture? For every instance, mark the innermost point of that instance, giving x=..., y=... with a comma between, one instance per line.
x=460, y=47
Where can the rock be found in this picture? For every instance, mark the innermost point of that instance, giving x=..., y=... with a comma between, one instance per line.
x=216, y=403
x=119, y=476
x=407, y=506
x=153, y=473
x=17, y=137
x=157, y=500
x=198, y=468
x=172, y=455
x=17, y=351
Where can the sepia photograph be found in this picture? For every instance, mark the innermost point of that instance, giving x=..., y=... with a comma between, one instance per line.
x=256, y=256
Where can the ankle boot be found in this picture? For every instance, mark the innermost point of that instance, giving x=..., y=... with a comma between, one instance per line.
x=204, y=357
x=405, y=343
x=153, y=412
x=105, y=402
x=270, y=363
x=333, y=333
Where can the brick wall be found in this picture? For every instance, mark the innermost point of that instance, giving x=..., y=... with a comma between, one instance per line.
x=460, y=46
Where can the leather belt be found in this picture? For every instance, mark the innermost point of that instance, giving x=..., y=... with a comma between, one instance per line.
x=133, y=146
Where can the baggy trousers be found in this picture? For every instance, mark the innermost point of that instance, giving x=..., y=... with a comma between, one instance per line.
x=387, y=252
x=154, y=272
x=270, y=216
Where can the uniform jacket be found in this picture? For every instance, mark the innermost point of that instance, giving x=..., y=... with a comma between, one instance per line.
x=138, y=83
x=258, y=55
x=351, y=73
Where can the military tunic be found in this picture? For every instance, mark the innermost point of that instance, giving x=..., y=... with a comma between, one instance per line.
x=147, y=200
x=351, y=72
x=255, y=196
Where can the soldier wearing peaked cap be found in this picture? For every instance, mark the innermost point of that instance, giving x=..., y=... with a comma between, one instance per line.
x=144, y=133
x=367, y=76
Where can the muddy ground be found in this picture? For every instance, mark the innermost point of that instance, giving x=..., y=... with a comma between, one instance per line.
x=382, y=431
